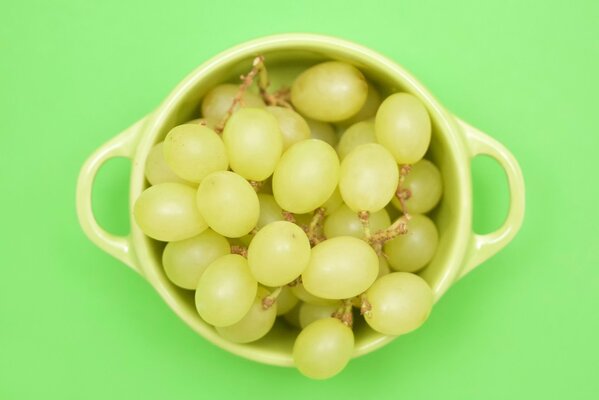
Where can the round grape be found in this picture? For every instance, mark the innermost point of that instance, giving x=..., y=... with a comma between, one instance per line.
x=309, y=313
x=322, y=131
x=157, y=170
x=345, y=222
x=414, y=250
x=218, y=100
x=424, y=186
x=357, y=134
x=292, y=126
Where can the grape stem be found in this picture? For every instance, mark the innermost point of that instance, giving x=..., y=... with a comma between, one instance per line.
x=241, y=250
x=279, y=98
x=401, y=193
x=365, y=306
x=295, y=282
x=257, y=185
x=246, y=81
x=289, y=217
x=399, y=227
x=344, y=313
x=271, y=299
x=364, y=217
x=314, y=231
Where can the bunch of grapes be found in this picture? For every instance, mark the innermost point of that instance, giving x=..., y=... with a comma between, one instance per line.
x=278, y=204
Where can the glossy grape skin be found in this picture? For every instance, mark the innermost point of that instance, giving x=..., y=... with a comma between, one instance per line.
x=279, y=253
x=425, y=187
x=400, y=302
x=157, y=170
x=228, y=204
x=226, y=291
x=368, y=110
x=253, y=143
x=306, y=176
x=167, y=212
x=303, y=295
x=322, y=131
x=403, y=126
x=292, y=316
x=414, y=250
x=309, y=313
x=340, y=268
x=184, y=261
x=286, y=300
x=256, y=323
x=333, y=203
x=194, y=151
x=292, y=126
x=345, y=222
x=323, y=348
x=330, y=91
x=218, y=100
x=269, y=212
x=368, y=178
x=359, y=133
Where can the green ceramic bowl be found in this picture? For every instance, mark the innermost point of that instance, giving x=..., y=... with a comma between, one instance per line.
x=454, y=144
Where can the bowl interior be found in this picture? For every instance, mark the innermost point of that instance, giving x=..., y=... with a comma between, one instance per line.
x=286, y=56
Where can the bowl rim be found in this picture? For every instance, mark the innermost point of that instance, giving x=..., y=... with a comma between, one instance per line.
x=320, y=43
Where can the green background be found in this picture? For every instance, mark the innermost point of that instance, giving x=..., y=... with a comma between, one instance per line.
x=75, y=323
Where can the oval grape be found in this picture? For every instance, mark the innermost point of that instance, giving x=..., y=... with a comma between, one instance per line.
x=414, y=250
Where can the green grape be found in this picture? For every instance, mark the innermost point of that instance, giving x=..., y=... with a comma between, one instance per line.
x=400, y=302
x=293, y=127
x=403, y=126
x=167, y=212
x=414, y=250
x=368, y=178
x=323, y=348
x=254, y=325
x=383, y=267
x=269, y=212
x=292, y=316
x=184, y=261
x=194, y=151
x=210, y=123
x=309, y=313
x=218, y=100
x=306, y=176
x=331, y=91
x=333, y=203
x=303, y=219
x=368, y=110
x=286, y=301
x=322, y=131
x=425, y=187
x=345, y=222
x=228, y=203
x=226, y=291
x=357, y=134
x=279, y=253
x=302, y=294
x=340, y=268
x=157, y=170
x=254, y=143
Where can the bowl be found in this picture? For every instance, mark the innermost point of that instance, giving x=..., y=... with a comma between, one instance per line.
x=454, y=144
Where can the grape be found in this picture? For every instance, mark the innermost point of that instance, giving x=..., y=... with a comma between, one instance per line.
x=184, y=261
x=425, y=187
x=300, y=292
x=403, y=126
x=333, y=203
x=322, y=131
x=368, y=178
x=330, y=91
x=210, y=123
x=228, y=203
x=292, y=316
x=218, y=100
x=292, y=126
x=368, y=110
x=269, y=212
x=254, y=325
x=383, y=267
x=340, y=268
x=306, y=176
x=286, y=301
x=279, y=253
x=414, y=250
x=157, y=170
x=309, y=313
x=254, y=143
x=323, y=348
x=226, y=291
x=345, y=222
x=167, y=212
x=357, y=134
x=194, y=151
x=400, y=302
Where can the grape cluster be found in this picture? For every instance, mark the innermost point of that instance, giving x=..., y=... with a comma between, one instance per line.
x=279, y=204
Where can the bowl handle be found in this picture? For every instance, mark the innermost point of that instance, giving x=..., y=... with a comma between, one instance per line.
x=482, y=247
x=122, y=145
